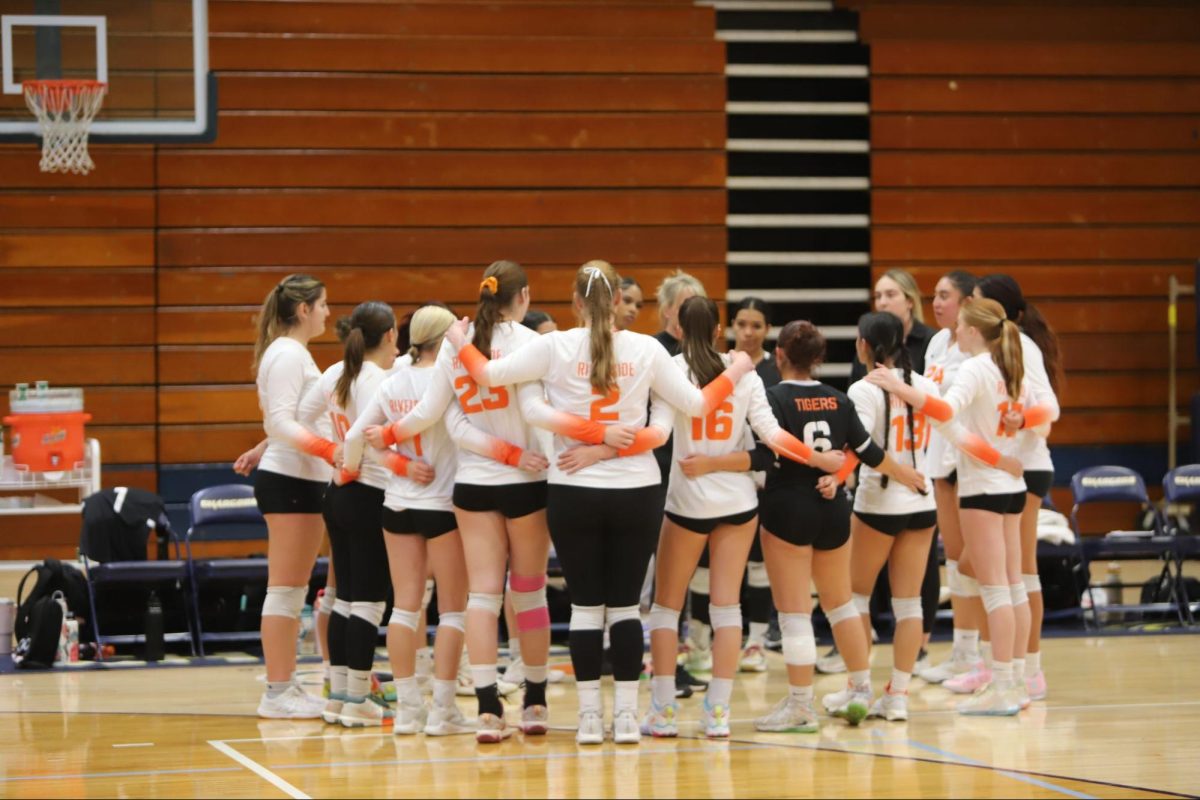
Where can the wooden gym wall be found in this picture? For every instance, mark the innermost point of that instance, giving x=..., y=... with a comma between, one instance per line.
x=393, y=150
x=1058, y=142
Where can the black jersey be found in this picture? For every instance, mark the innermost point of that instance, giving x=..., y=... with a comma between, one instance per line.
x=824, y=419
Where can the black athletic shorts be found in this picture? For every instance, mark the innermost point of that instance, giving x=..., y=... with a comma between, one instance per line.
x=430, y=524
x=283, y=494
x=952, y=478
x=893, y=524
x=513, y=500
x=996, y=503
x=800, y=516
x=1038, y=482
x=707, y=526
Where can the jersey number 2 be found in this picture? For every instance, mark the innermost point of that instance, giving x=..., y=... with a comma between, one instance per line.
x=610, y=399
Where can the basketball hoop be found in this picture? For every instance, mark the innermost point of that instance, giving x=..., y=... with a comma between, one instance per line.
x=65, y=110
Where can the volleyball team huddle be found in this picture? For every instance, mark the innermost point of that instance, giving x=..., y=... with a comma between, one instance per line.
x=436, y=463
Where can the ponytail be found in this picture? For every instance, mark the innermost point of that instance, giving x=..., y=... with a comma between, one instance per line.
x=697, y=319
x=502, y=282
x=595, y=283
x=367, y=326
x=1003, y=339
x=1007, y=292
x=427, y=327
x=278, y=312
x=884, y=335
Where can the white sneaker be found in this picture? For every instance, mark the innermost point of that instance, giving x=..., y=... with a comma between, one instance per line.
x=625, y=727
x=993, y=701
x=333, y=709
x=504, y=688
x=716, y=720
x=661, y=721
x=698, y=648
x=515, y=672
x=448, y=721
x=922, y=662
x=535, y=720
x=789, y=715
x=892, y=707
x=753, y=659
x=591, y=728
x=410, y=718
x=292, y=703
x=491, y=729
x=364, y=714
x=831, y=663
x=849, y=704
x=957, y=664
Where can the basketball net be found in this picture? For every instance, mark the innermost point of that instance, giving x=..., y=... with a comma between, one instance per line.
x=65, y=110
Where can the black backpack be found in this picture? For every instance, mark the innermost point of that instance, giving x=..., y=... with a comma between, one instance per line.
x=38, y=648
x=49, y=577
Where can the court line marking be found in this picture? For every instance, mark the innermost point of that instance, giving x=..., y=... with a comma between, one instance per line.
x=955, y=758
x=135, y=744
x=259, y=770
x=137, y=773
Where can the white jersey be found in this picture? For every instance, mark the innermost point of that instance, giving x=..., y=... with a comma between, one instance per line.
x=1033, y=450
x=321, y=401
x=285, y=375
x=871, y=497
x=724, y=431
x=979, y=400
x=563, y=362
x=942, y=360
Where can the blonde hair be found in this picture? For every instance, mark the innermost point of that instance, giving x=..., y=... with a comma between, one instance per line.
x=428, y=326
x=908, y=285
x=669, y=290
x=596, y=283
x=278, y=312
x=1003, y=339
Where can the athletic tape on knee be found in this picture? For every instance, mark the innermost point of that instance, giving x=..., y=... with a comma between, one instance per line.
x=428, y=598
x=587, y=618
x=906, y=608
x=799, y=644
x=969, y=586
x=725, y=616
x=699, y=581
x=529, y=601
x=491, y=603
x=1019, y=595
x=327, y=599
x=284, y=601
x=621, y=614
x=862, y=603
x=756, y=575
x=405, y=619
x=843, y=613
x=453, y=619
x=371, y=613
x=663, y=618
x=342, y=608
x=995, y=597
x=1033, y=583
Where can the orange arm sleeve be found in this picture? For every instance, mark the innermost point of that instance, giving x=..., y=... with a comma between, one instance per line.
x=788, y=446
x=573, y=427
x=645, y=439
x=316, y=446
x=474, y=362
x=715, y=392
x=937, y=408
x=390, y=434
x=506, y=453
x=1038, y=415
x=396, y=462
x=977, y=447
x=847, y=467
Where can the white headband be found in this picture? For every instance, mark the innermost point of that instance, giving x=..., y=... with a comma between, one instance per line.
x=593, y=273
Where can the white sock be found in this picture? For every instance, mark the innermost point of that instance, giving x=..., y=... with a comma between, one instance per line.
x=443, y=692
x=758, y=633
x=536, y=674
x=337, y=681
x=1018, y=669
x=1033, y=663
x=967, y=642
x=626, y=696
x=861, y=679
x=985, y=652
x=358, y=684
x=483, y=675
x=899, y=684
x=1002, y=673
x=589, y=696
x=514, y=649
x=407, y=691
x=719, y=692
x=662, y=689
x=801, y=692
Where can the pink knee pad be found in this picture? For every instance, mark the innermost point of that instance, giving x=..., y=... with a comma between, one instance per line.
x=529, y=601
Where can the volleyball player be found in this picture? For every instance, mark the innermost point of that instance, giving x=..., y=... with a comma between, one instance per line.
x=715, y=511
x=632, y=302
x=1043, y=372
x=891, y=524
x=987, y=387
x=806, y=532
x=603, y=518
x=290, y=481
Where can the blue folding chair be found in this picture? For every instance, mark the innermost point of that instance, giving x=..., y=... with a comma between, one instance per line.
x=110, y=573
x=1182, y=485
x=1121, y=484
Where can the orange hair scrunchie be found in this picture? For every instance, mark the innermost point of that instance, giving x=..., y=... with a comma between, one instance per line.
x=491, y=283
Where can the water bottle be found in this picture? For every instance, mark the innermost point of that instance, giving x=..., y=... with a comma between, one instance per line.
x=306, y=643
x=1113, y=594
x=154, y=628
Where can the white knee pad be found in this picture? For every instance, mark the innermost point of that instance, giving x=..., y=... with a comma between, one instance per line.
x=799, y=644
x=428, y=598
x=699, y=581
x=995, y=597
x=587, y=618
x=663, y=618
x=284, y=601
x=491, y=603
x=371, y=613
x=906, y=608
x=843, y=613
x=1018, y=593
x=622, y=614
x=862, y=603
x=756, y=575
x=342, y=608
x=405, y=619
x=725, y=616
x=1033, y=583
x=528, y=595
x=328, y=598
x=453, y=619
x=969, y=586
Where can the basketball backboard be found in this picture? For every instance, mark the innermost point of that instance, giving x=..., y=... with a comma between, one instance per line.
x=152, y=53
